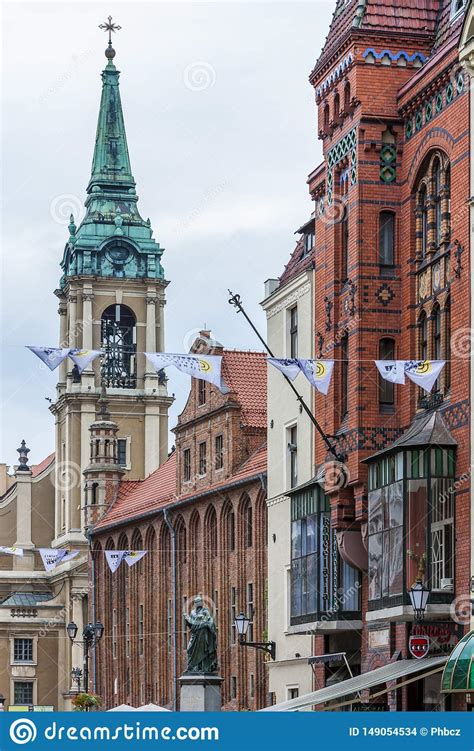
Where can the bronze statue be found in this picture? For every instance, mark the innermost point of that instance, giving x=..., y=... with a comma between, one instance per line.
x=202, y=646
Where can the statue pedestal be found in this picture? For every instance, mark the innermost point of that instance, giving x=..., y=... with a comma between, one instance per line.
x=200, y=692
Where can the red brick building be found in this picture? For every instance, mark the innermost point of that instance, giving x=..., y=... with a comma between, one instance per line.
x=213, y=490
x=391, y=281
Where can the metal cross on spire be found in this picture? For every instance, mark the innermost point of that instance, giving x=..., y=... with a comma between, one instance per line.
x=110, y=27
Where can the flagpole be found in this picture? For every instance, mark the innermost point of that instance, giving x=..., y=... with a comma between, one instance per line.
x=236, y=302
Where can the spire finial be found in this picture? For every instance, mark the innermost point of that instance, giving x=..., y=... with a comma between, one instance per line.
x=110, y=26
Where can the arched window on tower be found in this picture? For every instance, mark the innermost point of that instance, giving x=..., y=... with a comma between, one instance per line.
x=119, y=343
x=386, y=388
x=424, y=221
x=326, y=118
x=423, y=336
x=387, y=238
x=436, y=334
x=347, y=96
x=437, y=202
x=336, y=107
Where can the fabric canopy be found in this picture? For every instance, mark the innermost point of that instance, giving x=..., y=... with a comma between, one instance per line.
x=389, y=672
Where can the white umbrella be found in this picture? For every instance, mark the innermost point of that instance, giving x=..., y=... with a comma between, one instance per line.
x=122, y=708
x=152, y=708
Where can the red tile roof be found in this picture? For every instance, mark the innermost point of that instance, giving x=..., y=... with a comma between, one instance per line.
x=143, y=497
x=36, y=469
x=137, y=497
x=299, y=262
x=416, y=17
x=245, y=373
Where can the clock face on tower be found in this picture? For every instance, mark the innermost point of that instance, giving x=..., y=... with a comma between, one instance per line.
x=117, y=253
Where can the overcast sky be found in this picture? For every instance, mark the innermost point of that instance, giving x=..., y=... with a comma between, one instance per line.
x=221, y=128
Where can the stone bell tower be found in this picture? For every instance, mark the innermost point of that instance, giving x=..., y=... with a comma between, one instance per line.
x=111, y=298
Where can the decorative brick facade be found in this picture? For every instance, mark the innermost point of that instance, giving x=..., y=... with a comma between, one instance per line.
x=215, y=502
x=393, y=113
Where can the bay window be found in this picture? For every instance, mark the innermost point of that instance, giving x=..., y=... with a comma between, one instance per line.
x=411, y=524
x=322, y=584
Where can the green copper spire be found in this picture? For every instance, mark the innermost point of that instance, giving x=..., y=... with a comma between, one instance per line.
x=111, y=163
x=113, y=239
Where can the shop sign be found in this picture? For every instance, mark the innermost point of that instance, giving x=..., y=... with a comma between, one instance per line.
x=370, y=707
x=418, y=646
x=442, y=636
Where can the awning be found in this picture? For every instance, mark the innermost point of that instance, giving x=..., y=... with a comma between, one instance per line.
x=458, y=675
x=389, y=672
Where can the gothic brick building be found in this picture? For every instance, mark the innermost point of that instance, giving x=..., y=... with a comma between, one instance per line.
x=201, y=517
x=391, y=281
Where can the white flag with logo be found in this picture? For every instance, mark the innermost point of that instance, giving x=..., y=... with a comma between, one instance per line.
x=83, y=357
x=424, y=372
x=11, y=551
x=114, y=558
x=51, y=356
x=318, y=373
x=289, y=366
x=391, y=370
x=52, y=558
x=133, y=556
x=205, y=367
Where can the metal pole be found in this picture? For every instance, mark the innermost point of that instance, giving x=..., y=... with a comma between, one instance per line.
x=235, y=301
x=86, y=662
x=174, y=607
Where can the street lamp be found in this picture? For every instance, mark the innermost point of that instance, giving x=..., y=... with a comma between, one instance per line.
x=419, y=598
x=242, y=623
x=91, y=636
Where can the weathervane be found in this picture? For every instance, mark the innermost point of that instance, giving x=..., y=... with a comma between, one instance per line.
x=110, y=27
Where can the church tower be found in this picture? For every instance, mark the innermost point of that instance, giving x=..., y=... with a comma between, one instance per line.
x=111, y=298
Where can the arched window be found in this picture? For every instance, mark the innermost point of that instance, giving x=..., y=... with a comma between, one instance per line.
x=437, y=201
x=436, y=337
x=347, y=96
x=424, y=221
x=326, y=118
x=447, y=343
x=119, y=343
x=345, y=244
x=386, y=389
x=336, y=107
x=231, y=530
x=423, y=336
x=387, y=238
x=344, y=375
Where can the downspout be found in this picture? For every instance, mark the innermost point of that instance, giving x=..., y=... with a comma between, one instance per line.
x=93, y=613
x=174, y=607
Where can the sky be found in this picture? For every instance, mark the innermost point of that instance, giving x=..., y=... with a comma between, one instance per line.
x=222, y=133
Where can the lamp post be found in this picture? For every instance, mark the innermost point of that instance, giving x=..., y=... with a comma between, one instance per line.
x=91, y=636
x=242, y=624
x=419, y=599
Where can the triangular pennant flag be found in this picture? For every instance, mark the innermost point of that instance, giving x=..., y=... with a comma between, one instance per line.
x=204, y=367
x=289, y=366
x=83, y=357
x=51, y=356
x=424, y=372
x=11, y=551
x=391, y=370
x=133, y=556
x=114, y=558
x=318, y=373
x=52, y=558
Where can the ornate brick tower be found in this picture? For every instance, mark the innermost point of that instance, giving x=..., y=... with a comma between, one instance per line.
x=111, y=297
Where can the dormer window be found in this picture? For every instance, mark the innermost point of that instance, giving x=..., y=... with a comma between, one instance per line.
x=309, y=242
x=457, y=6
